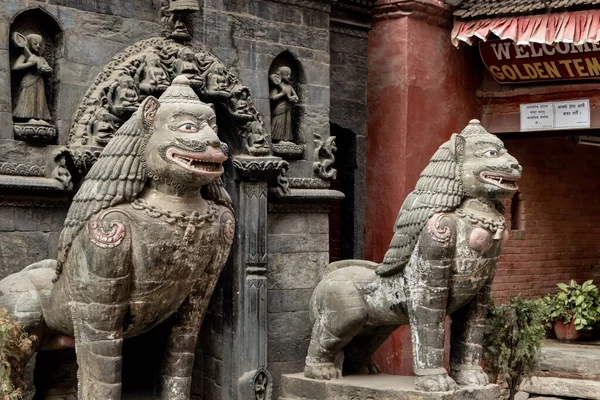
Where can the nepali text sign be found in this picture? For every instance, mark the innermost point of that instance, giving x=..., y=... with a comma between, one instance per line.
x=509, y=63
x=573, y=114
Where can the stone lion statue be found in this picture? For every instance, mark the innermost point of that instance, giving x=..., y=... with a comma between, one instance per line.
x=145, y=238
x=441, y=261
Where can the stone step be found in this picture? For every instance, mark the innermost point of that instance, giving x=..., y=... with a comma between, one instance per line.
x=582, y=359
x=561, y=387
x=380, y=387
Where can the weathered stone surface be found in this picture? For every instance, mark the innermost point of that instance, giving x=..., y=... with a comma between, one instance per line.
x=521, y=396
x=288, y=223
x=140, y=9
x=319, y=223
x=576, y=388
x=19, y=249
x=570, y=358
x=288, y=300
x=40, y=219
x=371, y=387
x=298, y=243
x=296, y=270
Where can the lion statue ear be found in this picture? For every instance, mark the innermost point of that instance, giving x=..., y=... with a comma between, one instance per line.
x=149, y=108
x=457, y=145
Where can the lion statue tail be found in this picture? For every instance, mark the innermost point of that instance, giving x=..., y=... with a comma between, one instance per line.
x=22, y=293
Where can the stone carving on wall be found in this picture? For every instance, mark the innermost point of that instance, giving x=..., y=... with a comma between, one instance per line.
x=441, y=260
x=176, y=18
x=283, y=99
x=324, y=157
x=158, y=182
x=60, y=172
x=31, y=113
x=145, y=69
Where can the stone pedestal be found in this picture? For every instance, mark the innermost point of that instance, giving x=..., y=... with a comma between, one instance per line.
x=371, y=387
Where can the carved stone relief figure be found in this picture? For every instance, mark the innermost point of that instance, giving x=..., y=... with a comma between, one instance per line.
x=34, y=51
x=154, y=78
x=103, y=126
x=176, y=18
x=324, y=157
x=31, y=105
x=256, y=141
x=114, y=95
x=186, y=65
x=125, y=98
x=442, y=259
x=283, y=98
x=145, y=238
x=61, y=172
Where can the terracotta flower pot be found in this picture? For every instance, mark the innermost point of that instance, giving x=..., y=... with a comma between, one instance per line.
x=566, y=332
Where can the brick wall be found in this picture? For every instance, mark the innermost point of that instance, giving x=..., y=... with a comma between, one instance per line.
x=560, y=194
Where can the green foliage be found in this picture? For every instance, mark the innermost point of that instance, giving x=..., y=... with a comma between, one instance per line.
x=513, y=338
x=580, y=303
x=15, y=346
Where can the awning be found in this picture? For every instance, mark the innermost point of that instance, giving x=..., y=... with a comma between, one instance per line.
x=570, y=27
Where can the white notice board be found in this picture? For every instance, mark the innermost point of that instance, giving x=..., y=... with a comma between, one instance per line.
x=537, y=116
x=574, y=114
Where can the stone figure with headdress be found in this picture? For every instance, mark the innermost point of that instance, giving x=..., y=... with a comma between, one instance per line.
x=31, y=105
x=283, y=98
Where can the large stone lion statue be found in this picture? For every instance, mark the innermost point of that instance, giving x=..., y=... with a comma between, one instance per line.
x=441, y=261
x=145, y=238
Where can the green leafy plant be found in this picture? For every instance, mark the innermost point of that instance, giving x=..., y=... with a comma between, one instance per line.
x=574, y=302
x=513, y=338
x=15, y=346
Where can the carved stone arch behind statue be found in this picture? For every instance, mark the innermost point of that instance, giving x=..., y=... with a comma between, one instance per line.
x=289, y=59
x=147, y=68
x=36, y=20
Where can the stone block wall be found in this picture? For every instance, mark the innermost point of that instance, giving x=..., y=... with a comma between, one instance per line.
x=298, y=253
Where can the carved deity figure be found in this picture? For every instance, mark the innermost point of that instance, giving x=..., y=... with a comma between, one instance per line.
x=126, y=98
x=103, y=126
x=155, y=78
x=283, y=97
x=176, y=18
x=186, y=65
x=61, y=172
x=141, y=243
x=217, y=82
x=324, y=157
x=256, y=141
x=31, y=105
x=240, y=104
x=441, y=261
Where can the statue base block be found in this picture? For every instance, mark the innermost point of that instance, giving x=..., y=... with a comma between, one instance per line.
x=370, y=387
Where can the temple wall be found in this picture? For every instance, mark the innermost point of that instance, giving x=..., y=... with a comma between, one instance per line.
x=560, y=234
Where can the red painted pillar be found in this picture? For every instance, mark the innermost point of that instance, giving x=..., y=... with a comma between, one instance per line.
x=420, y=90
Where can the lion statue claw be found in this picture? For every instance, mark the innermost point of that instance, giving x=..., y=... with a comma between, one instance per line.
x=139, y=245
x=441, y=261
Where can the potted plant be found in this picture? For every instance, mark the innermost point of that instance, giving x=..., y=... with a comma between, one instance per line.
x=575, y=308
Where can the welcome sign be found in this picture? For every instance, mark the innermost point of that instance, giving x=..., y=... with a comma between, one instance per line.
x=509, y=63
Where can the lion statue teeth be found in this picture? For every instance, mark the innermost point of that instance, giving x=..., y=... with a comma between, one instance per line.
x=140, y=244
x=441, y=261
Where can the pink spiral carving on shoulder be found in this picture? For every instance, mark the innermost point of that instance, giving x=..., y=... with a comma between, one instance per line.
x=106, y=238
x=439, y=233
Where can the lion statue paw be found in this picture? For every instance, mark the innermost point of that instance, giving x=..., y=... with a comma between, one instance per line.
x=323, y=371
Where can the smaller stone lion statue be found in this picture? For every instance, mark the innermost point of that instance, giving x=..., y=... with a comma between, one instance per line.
x=145, y=239
x=441, y=261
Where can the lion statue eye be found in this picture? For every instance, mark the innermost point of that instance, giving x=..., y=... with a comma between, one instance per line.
x=188, y=127
x=491, y=153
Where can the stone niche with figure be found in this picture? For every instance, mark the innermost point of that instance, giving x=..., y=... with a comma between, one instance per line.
x=35, y=52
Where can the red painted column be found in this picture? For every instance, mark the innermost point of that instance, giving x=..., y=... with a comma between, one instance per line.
x=420, y=90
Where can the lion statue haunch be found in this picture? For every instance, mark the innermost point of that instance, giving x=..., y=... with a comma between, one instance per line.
x=441, y=261
x=141, y=243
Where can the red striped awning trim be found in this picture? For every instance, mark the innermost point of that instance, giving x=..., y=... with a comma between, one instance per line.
x=569, y=27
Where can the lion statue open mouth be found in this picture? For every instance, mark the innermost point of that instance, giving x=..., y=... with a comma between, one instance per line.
x=441, y=261
x=140, y=243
